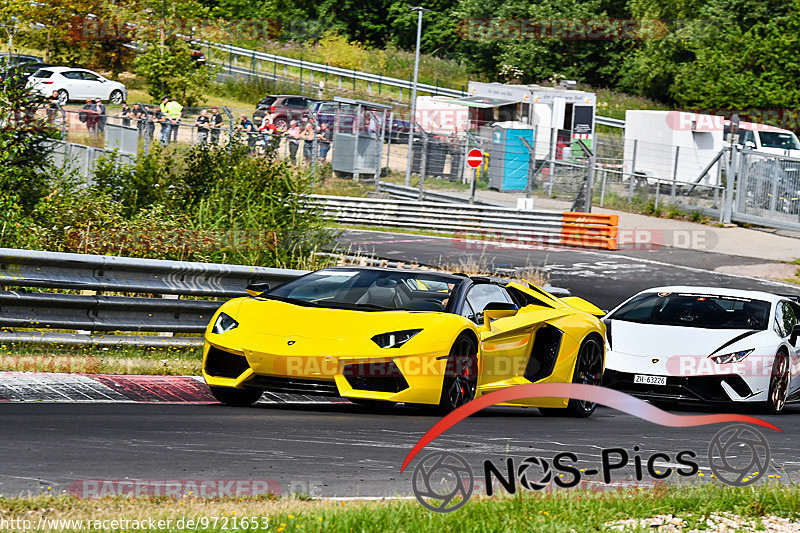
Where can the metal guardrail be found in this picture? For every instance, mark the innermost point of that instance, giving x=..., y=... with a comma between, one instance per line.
x=56, y=270
x=608, y=121
x=254, y=55
x=498, y=223
x=412, y=193
x=93, y=312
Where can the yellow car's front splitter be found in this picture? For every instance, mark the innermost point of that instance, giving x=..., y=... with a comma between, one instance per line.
x=408, y=378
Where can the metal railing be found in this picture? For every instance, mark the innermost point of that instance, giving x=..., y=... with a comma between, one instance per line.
x=496, y=223
x=91, y=311
x=254, y=56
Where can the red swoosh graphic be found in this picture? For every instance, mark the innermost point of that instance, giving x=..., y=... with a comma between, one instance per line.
x=578, y=391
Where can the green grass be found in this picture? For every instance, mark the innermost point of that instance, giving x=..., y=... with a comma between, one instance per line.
x=560, y=511
x=100, y=360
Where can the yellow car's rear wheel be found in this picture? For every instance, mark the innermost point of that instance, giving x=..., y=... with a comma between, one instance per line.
x=236, y=397
x=461, y=374
x=589, y=371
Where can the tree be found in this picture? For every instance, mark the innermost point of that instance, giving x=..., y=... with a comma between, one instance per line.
x=539, y=40
x=24, y=166
x=170, y=71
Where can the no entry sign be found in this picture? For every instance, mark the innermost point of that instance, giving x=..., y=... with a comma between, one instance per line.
x=474, y=158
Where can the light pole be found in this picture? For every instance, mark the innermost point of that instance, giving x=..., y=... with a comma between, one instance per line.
x=11, y=28
x=420, y=11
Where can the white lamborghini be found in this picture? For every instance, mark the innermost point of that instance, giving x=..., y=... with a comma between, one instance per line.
x=707, y=345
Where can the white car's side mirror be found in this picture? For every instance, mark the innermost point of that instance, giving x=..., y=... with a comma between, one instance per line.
x=794, y=335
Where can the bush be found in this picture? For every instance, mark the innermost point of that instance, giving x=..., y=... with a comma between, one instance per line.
x=206, y=204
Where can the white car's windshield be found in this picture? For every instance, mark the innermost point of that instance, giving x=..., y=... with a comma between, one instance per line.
x=774, y=139
x=369, y=290
x=695, y=311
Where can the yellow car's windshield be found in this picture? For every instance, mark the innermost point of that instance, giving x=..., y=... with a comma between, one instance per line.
x=370, y=289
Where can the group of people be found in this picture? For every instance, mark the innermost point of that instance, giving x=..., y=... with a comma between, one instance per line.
x=168, y=115
x=315, y=139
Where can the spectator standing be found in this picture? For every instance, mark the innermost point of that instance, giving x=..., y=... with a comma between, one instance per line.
x=126, y=114
x=293, y=133
x=172, y=111
x=161, y=118
x=101, y=115
x=52, y=107
x=137, y=114
x=202, y=123
x=246, y=126
x=151, y=122
x=308, y=135
x=267, y=129
x=216, y=125
x=324, y=138
x=88, y=114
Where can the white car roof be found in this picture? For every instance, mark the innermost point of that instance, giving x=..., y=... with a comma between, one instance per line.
x=65, y=69
x=719, y=291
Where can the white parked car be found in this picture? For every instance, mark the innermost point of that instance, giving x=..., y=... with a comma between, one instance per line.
x=706, y=345
x=76, y=84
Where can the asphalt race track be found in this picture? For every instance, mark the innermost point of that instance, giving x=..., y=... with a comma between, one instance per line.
x=324, y=450
x=340, y=449
x=605, y=278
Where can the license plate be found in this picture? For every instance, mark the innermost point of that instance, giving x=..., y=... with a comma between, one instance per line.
x=650, y=380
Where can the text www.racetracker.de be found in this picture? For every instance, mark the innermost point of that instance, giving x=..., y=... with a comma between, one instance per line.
x=142, y=524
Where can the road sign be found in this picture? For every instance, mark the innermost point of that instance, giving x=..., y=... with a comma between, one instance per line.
x=474, y=158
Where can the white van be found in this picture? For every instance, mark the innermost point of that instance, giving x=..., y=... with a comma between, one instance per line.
x=767, y=139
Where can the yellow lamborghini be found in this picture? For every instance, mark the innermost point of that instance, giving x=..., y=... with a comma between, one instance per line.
x=380, y=336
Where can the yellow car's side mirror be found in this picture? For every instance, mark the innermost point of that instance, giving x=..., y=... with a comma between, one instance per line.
x=495, y=310
x=257, y=289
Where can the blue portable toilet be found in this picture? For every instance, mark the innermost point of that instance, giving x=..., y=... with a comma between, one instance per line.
x=509, y=159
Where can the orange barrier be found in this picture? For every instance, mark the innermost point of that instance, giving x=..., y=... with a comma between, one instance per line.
x=589, y=230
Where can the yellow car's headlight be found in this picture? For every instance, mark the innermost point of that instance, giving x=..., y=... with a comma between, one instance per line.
x=394, y=339
x=223, y=324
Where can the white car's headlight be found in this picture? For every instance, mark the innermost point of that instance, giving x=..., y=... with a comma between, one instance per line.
x=394, y=339
x=224, y=323
x=734, y=357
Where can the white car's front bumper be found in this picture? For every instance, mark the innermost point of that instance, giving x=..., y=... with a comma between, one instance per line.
x=693, y=379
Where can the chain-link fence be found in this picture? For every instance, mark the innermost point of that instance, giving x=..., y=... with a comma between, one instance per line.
x=729, y=184
x=768, y=189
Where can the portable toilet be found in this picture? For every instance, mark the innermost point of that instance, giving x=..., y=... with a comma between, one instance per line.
x=509, y=158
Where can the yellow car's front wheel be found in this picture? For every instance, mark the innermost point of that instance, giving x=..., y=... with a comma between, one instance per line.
x=461, y=374
x=236, y=397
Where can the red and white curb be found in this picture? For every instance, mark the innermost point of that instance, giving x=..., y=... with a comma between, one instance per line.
x=109, y=388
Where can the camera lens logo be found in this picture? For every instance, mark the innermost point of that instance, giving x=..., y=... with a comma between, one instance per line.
x=534, y=473
x=443, y=482
x=738, y=455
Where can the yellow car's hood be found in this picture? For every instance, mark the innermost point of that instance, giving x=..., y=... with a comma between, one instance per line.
x=273, y=317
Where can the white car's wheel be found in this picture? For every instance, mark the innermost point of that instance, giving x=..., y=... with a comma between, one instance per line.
x=63, y=97
x=116, y=97
x=779, y=384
